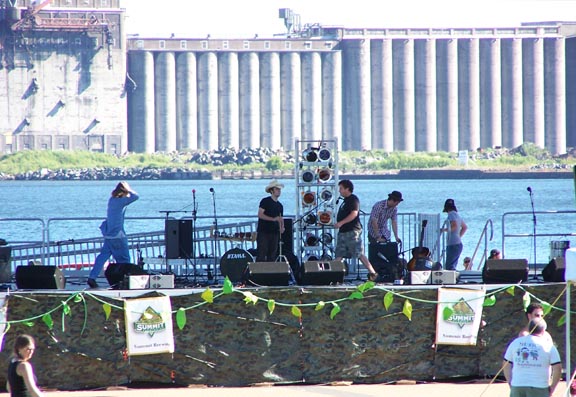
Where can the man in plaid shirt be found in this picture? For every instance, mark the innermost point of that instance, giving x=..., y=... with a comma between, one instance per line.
x=381, y=212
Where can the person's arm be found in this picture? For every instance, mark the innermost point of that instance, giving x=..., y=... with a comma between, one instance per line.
x=556, y=375
x=463, y=229
x=264, y=217
x=281, y=222
x=25, y=370
x=351, y=216
x=374, y=227
x=507, y=370
x=8, y=387
x=395, y=230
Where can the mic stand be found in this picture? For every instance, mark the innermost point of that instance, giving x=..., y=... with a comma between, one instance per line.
x=193, y=249
x=534, y=276
x=216, y=234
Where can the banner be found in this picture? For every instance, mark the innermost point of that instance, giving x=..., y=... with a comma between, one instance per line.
x=458, y=316
x=149, y=327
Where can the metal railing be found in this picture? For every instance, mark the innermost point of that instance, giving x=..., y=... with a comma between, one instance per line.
x=550, y=224
x=62, y=242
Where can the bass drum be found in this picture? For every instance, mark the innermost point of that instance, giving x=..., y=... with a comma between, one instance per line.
x=234, y=263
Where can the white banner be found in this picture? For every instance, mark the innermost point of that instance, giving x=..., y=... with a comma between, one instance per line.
x=149, y=327
x=458, y=316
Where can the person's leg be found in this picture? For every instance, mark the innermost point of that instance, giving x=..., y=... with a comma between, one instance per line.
x=101, y=259
x=120, y=250
x=261, y=246
x=358, y=252
x=452, y=255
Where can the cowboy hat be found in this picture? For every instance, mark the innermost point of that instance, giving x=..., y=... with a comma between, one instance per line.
x=274, y=183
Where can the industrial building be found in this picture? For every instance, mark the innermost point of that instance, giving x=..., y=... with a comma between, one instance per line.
x=71, y=79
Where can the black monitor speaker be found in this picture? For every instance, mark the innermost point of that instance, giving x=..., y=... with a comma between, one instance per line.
x=116, y=274
x=39, y=277
x=268, y=273
x=554, y=270
x=505, y=271
x=323, y=272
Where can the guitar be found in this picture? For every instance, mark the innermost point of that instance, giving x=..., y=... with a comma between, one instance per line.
x=420, y=251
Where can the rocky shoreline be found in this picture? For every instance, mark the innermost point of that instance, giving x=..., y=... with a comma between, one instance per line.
x=186, y=174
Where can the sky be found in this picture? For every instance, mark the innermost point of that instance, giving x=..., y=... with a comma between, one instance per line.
x=247, y=18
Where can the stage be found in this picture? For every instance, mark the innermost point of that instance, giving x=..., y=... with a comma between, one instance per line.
x=280, y=335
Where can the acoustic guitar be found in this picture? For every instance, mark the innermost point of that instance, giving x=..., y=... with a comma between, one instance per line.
x=419, y=252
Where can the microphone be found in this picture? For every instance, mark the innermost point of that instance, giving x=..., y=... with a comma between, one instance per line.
x=194, y=192
x=338, y=200
x=212, y=190
x=529, y=189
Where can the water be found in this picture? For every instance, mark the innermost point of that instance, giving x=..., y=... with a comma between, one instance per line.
x=477, y=201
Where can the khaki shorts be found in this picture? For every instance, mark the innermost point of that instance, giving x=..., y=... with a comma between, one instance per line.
x=349, y=245
x=526, y=391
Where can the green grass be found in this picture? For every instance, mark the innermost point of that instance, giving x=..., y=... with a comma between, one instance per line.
x=521, y=158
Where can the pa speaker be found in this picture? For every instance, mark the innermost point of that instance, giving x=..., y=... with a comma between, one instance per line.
x=268, y=273
x=504, y=271
x=39, y=277
x=178, y=238
x=116, y=274
x=323, y=272
x=5, y=264
x=554, y=270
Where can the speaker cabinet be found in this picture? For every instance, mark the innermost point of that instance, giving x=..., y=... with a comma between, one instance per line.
x=505, y=271
x=5, y=264
x=39, y=277
x=554, y=270
x=384, y=258
x=178, y=237
x=268, y=273
x=288, y=237
x=323, y=272
x=116, y=274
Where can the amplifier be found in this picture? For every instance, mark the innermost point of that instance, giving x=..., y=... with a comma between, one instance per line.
x=159, y=281
x=138, y=282
x=444, y=277
x=505, y=271
x=420, y=277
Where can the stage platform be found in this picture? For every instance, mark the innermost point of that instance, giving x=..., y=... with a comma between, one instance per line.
x=236, y=341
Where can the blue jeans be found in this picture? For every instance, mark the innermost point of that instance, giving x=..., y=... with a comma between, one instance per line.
x=452, y=255
x=115, y=247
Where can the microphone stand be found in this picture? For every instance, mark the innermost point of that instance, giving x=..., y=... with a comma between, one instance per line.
x=215, y=239
x=533, y=230
x=193, y=250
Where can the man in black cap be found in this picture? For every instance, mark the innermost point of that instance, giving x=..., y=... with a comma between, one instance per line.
x=382, y=211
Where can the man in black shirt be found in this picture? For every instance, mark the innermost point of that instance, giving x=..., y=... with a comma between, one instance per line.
x=349, y=242
x=270, y=223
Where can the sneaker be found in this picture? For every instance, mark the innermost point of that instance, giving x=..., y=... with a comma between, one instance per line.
x=92, y=283
x=373, y=276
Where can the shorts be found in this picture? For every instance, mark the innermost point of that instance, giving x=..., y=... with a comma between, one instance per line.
x=349, y=244
x=527, y=391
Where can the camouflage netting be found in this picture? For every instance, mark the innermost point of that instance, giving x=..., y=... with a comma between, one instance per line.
x=233, y=343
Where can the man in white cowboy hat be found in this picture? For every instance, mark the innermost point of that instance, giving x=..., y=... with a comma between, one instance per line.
x=270, y=223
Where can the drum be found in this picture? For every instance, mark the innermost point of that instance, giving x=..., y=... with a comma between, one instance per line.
x=558, y=249
x=234, y=263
